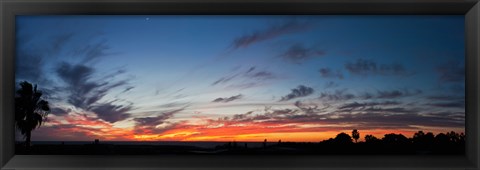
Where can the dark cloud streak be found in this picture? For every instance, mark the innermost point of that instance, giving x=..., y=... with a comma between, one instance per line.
x=451, y=72
x=272, y=32
x=59, y=111
x=148, y=125
x=453, y=104
x=85, y=93
x=356, y=105
x=298, y=53
x=157, y=120
x=329, y=73
x=224, y=79
x=111, y=113
x=228, y=99
x=93, y=51
x=300, y=91
x=391, y=94
x=365, y=67
x=338, y=95
x=371, y=118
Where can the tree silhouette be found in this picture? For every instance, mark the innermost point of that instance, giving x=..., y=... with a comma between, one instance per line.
x=429, y=137
x=423, y=140
x=442, y=139
x=454, y=137
x=343, y=138
x=462, y=138
x=371, y=139
x=30, y=110
x=395, y=139
x=355, y=135
x=418, y=135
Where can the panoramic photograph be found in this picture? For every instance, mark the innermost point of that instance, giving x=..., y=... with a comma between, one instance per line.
x=233, y=84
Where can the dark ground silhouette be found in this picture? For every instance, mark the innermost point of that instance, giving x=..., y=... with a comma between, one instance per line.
x=391, y=144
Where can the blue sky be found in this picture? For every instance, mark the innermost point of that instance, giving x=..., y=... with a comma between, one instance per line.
x=153, y=76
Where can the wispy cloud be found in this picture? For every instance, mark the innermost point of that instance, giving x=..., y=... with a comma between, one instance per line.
x=263, y=75
x=366, y=67
x=77, y=79
x=298, y=53
x=155, y=124
x=30, y=68
x=269, y=33
x=93, y=51
x=110, y=112
x=386, y=94
x=391, y=94
x=240, y=116
x=59, y=111
x=256, y=74
x=368, y=118
x=331, y=84
x=33, y=58
x=446, y=101
x=357, y=105
x=127, y=89
x=156, y=120
x=245, y=85
x=228, y=99
x=59, y=41
x=225, y=79
x=300, y=91
x=452, y=104
x=85, y=93
x=175, y=104
x=338, y=95
x=451, y=72
x=80, y=85
x=445, y=97
x=242, y=79
x=83, y=90
x=329, y=73
x=310, y=108
x=394, y=110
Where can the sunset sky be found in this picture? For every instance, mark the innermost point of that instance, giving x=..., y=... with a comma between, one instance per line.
x=243, y=78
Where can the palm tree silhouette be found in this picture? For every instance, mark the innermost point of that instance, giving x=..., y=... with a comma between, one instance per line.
x=30, y=110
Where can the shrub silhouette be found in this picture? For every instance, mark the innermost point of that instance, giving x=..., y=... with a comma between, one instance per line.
x=30, y=110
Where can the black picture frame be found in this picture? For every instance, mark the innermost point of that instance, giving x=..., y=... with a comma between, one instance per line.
x=11, y=8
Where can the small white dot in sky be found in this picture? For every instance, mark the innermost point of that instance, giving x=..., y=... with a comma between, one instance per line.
x=147, y=19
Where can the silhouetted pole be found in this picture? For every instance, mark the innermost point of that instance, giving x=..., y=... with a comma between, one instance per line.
x=265, y=143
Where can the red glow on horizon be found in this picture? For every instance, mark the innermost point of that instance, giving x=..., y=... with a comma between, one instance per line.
x=78, y=127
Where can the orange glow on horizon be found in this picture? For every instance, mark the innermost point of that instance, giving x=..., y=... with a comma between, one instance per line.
x=79, y=127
